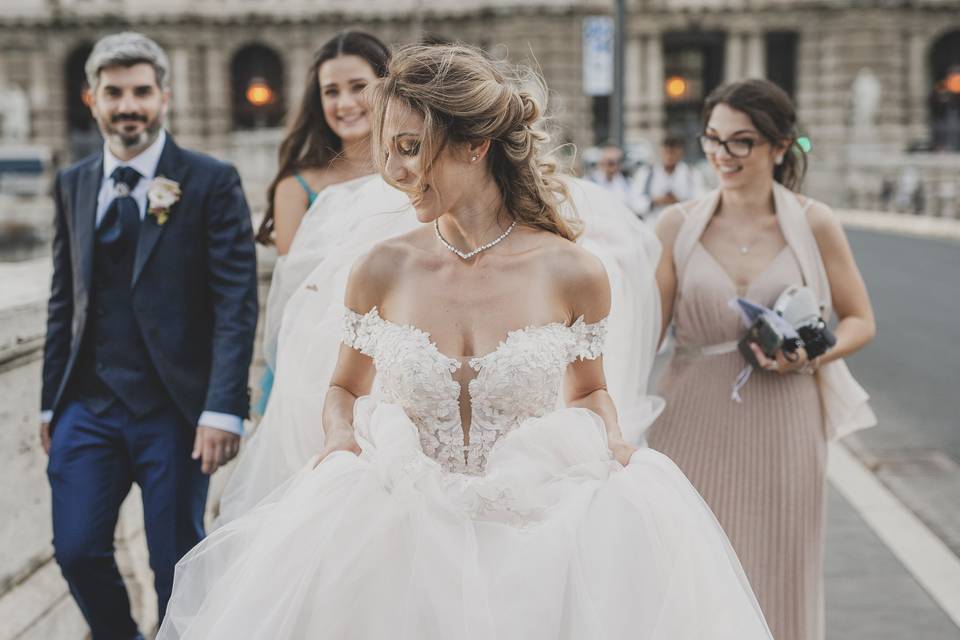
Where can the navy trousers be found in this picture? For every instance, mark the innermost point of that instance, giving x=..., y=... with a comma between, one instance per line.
x=94, y=460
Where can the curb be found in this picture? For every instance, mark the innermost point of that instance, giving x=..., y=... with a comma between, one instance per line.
x=901, y=223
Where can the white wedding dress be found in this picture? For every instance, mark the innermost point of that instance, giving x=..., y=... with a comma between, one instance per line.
x=527, y=529
x=304, y=314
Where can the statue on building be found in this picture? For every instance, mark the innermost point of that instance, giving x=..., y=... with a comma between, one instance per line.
x=866, y=91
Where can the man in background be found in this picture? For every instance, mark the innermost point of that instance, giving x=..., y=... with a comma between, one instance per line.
x=667, y=182
x=609, y=175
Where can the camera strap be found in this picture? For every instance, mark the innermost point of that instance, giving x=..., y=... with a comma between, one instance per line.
x=741, y=380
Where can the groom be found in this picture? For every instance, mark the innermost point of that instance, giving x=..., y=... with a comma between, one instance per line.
x=150, y=331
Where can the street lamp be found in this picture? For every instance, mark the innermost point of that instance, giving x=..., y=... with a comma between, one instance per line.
x=676, y=87
x=952, y=82
x=259, y=92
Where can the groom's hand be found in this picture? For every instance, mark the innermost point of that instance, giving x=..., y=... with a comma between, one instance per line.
x=214, y=448
x=45, y=437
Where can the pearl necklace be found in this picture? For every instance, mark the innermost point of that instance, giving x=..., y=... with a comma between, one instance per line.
x=483, y=247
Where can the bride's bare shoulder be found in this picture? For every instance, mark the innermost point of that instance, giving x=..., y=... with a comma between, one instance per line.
x=580, y=278
x=374, y=273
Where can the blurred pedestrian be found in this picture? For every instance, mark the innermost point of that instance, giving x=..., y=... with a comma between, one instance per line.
x=150, y=329
x=327, y=144
x=760, y=463
x=609, y=175
x=667, y=182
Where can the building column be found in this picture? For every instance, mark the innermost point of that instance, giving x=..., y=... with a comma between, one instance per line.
x=218, y=116
x=297, y=64
x=633, y=85
x=38, y=93
x=918, y=120
x=180, y=88
x=53, y=131
x=653, y=94
x=733, y=58
x=39, y=89
x=756, y=62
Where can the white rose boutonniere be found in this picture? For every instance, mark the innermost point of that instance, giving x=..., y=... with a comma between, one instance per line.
x=162, y=194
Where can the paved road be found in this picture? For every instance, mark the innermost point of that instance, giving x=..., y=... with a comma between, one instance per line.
x=912, y=372
x=912, y=369
x=869, y=594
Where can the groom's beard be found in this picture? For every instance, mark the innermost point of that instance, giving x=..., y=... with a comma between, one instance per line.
x=140, y=140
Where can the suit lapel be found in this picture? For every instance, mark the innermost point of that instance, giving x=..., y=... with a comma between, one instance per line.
x=173, y=167
x=88, y=188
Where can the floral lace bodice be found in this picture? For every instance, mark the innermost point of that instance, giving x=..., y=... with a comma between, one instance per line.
x=520, y=379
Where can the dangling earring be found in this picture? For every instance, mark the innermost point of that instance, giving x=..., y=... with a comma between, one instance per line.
x=779, y=160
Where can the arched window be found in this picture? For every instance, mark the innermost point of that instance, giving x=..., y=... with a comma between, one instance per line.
x=84, y=137
x=257, y=88
x=945, y=92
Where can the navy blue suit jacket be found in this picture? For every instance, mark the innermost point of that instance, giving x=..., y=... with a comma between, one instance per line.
x=194, y=283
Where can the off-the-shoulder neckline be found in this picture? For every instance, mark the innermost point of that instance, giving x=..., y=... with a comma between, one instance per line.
x=475, y=362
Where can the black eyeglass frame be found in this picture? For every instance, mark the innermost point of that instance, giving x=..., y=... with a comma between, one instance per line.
x=706, y=139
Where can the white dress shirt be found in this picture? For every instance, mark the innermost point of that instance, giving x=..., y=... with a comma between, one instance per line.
x=684, y=183
x=146, y=165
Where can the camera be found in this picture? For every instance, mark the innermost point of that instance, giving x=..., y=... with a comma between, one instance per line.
x=798, y=306
x=794, y=322
x=766, y=334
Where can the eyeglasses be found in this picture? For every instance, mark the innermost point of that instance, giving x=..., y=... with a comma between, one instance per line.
x=736, y=147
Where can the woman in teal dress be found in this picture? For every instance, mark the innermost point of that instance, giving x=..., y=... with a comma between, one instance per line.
x=328, y=143
x=266, y=382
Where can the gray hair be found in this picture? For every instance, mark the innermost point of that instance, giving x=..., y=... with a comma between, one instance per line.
x=125, y=50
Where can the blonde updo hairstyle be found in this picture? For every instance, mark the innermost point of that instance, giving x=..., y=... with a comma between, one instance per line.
x=464, y=96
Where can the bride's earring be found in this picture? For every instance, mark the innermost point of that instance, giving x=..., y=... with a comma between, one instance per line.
x=474, y=158
x=778, y=160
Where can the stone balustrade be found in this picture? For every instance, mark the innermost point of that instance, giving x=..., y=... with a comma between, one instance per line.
x=34, y=601
x=916, y=183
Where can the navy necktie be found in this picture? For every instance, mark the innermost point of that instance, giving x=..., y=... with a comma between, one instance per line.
x=120, y=228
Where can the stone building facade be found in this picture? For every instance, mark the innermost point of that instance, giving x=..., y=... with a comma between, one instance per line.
x=896, y=53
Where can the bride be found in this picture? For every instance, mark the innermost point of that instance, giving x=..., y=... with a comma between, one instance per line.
x=302, y=335
x=465, y=504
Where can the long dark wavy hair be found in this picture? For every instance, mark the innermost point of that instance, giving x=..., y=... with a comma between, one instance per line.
x=310, y=142
x=773, y=114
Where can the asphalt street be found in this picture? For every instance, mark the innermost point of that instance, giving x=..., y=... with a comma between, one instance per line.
x=912, y=368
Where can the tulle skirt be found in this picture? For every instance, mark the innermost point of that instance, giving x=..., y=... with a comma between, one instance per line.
x=554, y=541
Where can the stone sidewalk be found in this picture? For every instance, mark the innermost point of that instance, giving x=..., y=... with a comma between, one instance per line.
x=870, y=594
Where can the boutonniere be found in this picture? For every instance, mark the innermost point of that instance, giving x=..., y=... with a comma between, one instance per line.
x=162, y=194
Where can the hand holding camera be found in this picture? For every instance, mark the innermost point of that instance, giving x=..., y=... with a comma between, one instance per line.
x=784, y=362
x=790, y=337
